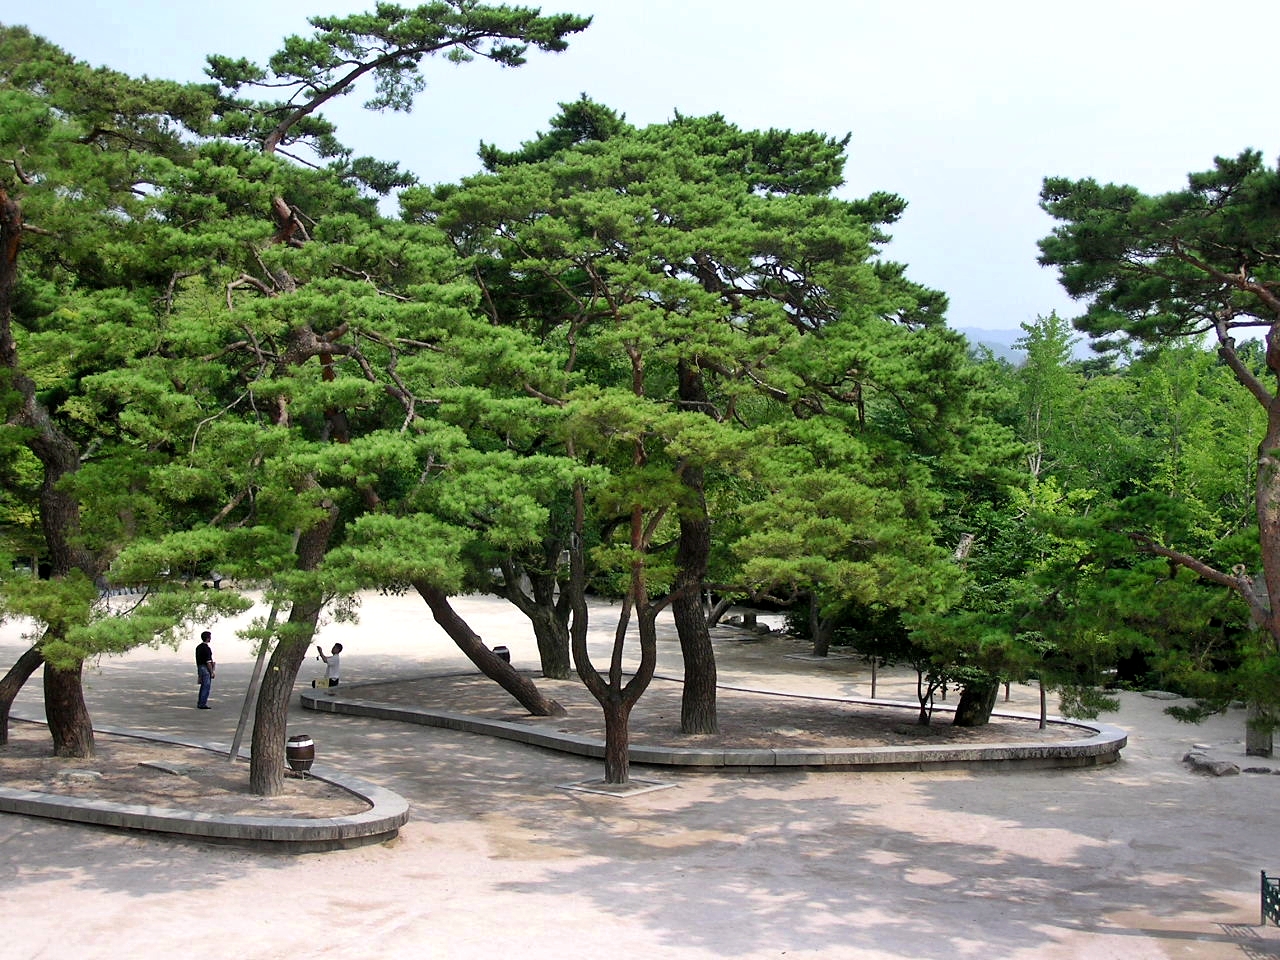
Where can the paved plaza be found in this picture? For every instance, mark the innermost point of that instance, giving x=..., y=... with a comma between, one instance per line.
x=1142, y=859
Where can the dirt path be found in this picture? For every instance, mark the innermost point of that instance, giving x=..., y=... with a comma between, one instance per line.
x=1143, y=859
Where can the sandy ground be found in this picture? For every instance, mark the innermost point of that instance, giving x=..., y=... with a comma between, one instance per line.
x=1143, y=859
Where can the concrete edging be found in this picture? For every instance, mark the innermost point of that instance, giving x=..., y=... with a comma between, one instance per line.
x=388, y=812
x=1099, y=743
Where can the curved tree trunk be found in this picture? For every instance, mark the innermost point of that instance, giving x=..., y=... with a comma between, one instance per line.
x=13, y=682
x=977, y=700
x=926, y=685
x=718, y=610
x=1267, y=493
x=489, y=663
x=59, y=511
x=547, y=613
x=271, y=715
x=65, y=710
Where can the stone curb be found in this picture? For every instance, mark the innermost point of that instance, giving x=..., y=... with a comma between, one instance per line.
x=1100, y=743
x=388, y=812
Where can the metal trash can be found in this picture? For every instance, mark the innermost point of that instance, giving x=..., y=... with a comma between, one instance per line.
x=300, y=752
x=502, y=654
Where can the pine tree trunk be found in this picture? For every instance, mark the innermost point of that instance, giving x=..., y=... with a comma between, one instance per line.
x=66, y=713
x=924, y=693
x=617, y=753
x=547, y=613
x=271, y=717
x=552, y=636
x=698, y=701
x=977, y=700
x=819, y=629
x=1258, y=733
x=65, y=709
x=616, y=699
x=59, y=457
x=1267, y=500
x=718, y=610
x=489, y=663
x=13, y=682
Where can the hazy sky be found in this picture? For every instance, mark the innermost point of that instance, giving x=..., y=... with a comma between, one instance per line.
x=960, y=108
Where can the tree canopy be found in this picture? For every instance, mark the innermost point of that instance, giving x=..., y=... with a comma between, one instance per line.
x=658, y=363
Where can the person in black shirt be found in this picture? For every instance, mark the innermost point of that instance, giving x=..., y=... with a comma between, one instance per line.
x=204, y=669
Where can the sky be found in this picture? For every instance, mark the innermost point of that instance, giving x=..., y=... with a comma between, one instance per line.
x=962, y=109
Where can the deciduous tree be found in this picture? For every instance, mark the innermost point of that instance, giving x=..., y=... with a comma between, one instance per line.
x=1191, y=263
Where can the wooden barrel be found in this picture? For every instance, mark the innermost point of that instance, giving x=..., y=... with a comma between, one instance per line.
x=300, y=752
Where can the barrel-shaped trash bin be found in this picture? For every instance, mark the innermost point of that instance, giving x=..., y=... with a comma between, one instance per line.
x=300, y=752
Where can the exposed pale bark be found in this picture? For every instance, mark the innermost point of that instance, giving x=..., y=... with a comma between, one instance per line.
x=1268, y=506
x=489, y=663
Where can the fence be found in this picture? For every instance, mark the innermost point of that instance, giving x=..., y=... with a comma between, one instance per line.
x=1270, y=899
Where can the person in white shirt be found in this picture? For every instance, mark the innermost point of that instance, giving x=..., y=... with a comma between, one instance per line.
x=333, y=667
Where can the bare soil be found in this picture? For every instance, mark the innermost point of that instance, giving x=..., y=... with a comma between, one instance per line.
x=183, y=778
x=128, y=770
x=746, y=719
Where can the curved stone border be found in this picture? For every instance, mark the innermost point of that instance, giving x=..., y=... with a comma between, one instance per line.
x=388, y=812
x=1099, y=743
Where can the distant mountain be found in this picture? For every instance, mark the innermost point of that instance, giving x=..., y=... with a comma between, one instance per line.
x=999, y=342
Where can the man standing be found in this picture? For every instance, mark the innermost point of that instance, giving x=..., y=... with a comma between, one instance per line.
x=204, y=669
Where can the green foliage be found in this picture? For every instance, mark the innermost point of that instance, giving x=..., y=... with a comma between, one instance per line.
x=1156, y=269
x=577, y=122
x=1159, y=267
x=708, y=310
x=388, y=46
